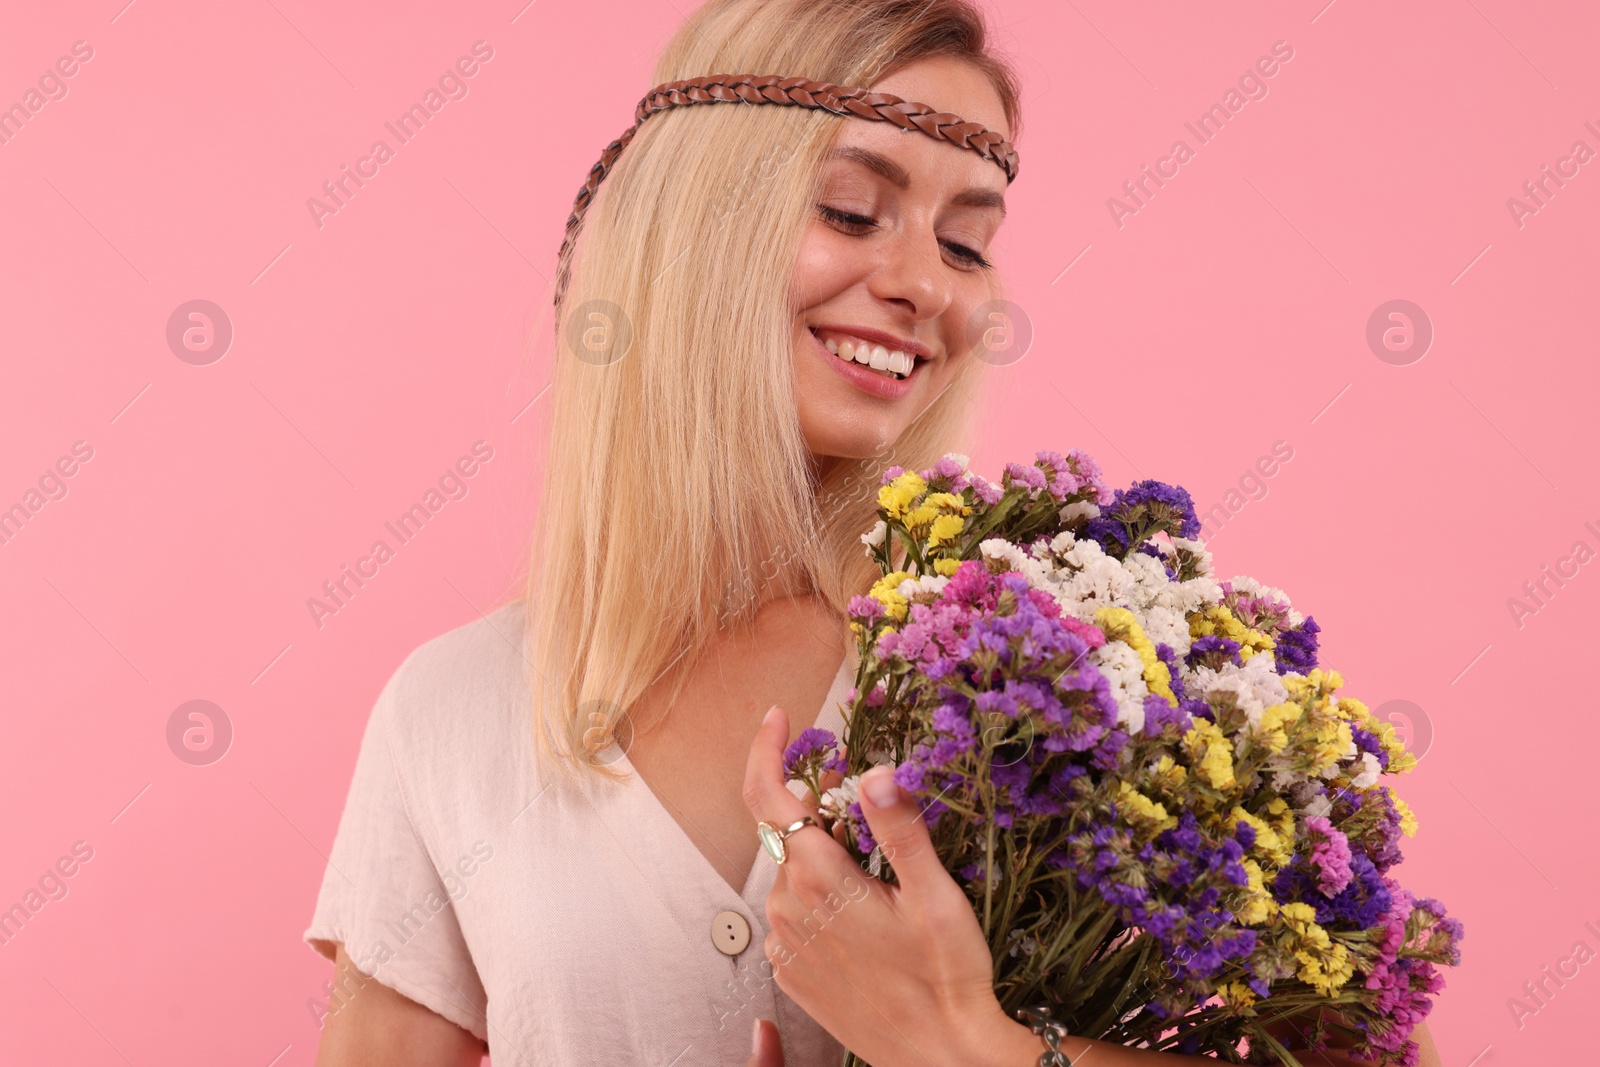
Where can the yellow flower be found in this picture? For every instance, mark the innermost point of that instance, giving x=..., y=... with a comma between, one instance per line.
x=1211, y=753
x=1325, y=680
x=1298, y=687
x=946, y=567
x=946, y=528
x=1169, y=773
x=1282, y=817
x=1218, y=620
x=1324, y=966
x=1326, y=971
x=1272, y=734
x=1408, y=819
x=1258, y=906
x=1236, y=994
x=1332, y=740
x=1270, y=843
x=1119, y=624
x=1141, y=810
x=895, y=497
x=884, y=591
x=950, y=502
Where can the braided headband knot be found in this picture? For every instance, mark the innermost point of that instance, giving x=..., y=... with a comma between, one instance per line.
x=794, y=92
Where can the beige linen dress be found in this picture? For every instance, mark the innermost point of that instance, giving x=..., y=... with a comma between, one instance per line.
x=566, y=924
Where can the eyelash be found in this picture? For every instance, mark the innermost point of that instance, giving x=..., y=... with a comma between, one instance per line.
x=845, y=218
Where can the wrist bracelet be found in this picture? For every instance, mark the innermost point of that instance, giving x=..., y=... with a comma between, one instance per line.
x=1041, y=1022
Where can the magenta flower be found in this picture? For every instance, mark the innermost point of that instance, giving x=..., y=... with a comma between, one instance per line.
x=1330, y=857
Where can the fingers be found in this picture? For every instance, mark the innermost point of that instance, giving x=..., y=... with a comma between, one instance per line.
x=765, y=793
x=895, y=818
x=767, y=1051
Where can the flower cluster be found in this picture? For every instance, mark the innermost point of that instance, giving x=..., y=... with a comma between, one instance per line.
x=1169, y=821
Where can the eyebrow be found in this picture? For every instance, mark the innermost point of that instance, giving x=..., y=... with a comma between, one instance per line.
x=882, y=165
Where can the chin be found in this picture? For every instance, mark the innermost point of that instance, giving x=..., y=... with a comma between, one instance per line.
x=850, y=445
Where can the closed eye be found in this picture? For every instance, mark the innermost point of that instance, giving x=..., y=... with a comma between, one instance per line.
x=861, y=225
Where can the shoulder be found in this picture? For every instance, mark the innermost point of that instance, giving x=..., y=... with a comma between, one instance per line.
x=462, y=697
x=486, y=655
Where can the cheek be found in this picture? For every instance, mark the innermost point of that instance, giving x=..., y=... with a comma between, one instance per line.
x=824, y=267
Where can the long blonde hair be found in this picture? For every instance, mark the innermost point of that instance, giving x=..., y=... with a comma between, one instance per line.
x=677, y=479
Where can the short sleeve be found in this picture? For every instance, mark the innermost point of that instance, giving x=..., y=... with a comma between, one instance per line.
x=382, y=896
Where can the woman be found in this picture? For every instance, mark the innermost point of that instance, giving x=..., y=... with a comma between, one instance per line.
x=590, y=890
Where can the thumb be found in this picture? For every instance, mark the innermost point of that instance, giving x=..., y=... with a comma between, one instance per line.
x=895, y=818
x=767, y=1051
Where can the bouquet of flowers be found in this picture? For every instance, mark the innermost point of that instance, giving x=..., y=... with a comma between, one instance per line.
x=1171, y=825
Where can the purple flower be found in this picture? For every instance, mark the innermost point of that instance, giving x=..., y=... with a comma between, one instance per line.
x=946, y=469
x=1090, y=475
x=1214, y=651
x=1142, y=510
x=810, y=749
x=1364, y=898
x=1028, y=477
x=865, y=609
x=1296, y=650
x=1368, y=742
x=1158, y=715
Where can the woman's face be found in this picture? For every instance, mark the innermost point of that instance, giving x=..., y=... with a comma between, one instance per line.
x=894, y=256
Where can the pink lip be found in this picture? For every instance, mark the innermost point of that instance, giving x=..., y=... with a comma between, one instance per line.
x=862, y=378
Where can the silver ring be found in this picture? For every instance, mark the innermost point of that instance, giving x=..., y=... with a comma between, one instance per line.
x=772, y=838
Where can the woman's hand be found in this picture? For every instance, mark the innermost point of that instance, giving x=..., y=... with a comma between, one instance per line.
x=900, y=974
x=767, y=1051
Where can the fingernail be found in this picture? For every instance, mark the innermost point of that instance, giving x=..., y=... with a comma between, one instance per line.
x=881, y=789
x=755, y=1039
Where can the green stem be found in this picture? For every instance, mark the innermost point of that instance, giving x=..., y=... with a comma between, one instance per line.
x=988, y=884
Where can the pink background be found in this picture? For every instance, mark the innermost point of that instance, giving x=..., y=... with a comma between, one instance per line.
x=370, y=353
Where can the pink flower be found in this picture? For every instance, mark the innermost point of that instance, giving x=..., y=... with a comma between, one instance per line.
x=1330, y=856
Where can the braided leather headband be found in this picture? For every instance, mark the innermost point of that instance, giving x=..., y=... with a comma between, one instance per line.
x=797, y=92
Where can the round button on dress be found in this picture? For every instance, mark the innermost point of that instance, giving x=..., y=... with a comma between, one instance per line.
x=730, y=933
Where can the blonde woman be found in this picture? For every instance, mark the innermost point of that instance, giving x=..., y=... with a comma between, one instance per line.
x=549, y=850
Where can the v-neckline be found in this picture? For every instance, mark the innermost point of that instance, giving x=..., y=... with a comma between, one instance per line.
x=669, y=836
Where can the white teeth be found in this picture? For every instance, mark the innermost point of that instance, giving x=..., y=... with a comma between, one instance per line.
x=877, y=357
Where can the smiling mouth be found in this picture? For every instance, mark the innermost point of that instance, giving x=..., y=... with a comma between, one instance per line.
x=877, y=358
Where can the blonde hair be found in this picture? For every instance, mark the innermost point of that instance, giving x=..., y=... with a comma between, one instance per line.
x=676, y=473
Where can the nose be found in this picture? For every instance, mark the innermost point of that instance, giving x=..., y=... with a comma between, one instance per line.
x=911, y=274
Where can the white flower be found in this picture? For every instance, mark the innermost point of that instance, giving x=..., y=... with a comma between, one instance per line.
x=1243, y=583
x=1319, y=807
x=1026, y=945
x=1001, y=549
x=910, y=588
x=1079, y=509
x=1124, y=672
x=1199, y=551
x=1164, y=625
x=1244, y=694
x=958, y=457
x=836, y=801
x=874, y=537
x=1369, y=775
